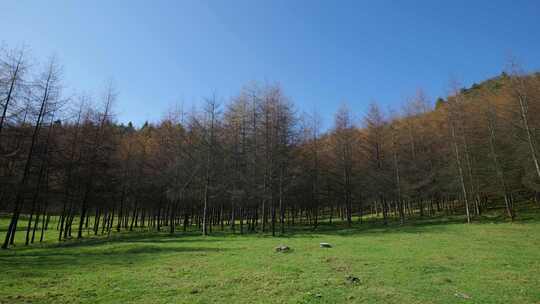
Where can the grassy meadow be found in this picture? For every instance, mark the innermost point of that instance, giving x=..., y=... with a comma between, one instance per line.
x=436, y=260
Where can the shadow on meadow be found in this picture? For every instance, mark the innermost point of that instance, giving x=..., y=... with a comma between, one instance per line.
x=433, y=224
x=153, y=242
x=124, y=248
x=37, y=260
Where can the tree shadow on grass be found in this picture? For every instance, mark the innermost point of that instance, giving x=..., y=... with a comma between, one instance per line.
x=56, y=259
x=122, y=249
x=119, y=250
x=369, y=227
x=146, y=237
x=415, y=225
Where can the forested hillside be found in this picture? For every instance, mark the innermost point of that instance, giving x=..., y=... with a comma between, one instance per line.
x=255, y=163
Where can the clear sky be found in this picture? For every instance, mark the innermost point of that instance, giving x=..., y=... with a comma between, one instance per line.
x=322, y=52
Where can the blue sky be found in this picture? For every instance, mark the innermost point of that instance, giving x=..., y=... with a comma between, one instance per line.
x=323, y=53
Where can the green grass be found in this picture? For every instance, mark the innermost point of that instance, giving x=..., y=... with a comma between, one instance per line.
x=426, y=261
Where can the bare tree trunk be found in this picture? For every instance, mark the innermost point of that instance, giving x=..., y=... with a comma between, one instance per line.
x=12, y=84
x=523, y=105
x=460, y=170
x=395, y=158
x=496, y=162
x=19, y=200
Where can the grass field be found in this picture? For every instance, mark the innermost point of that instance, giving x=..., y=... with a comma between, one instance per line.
x=440, y=260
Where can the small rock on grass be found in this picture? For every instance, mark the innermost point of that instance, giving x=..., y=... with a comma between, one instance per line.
x=283, y=248
x=462, y=295
x=352, y=279
x=325, y=245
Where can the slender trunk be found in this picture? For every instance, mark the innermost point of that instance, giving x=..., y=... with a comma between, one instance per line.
x=460, y=171
x=44, y=222
x=498, y=168
x=19, y=200
x=12, y=85
x=395, y=158
x=523, y=104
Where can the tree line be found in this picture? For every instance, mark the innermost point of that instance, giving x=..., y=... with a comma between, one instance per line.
x=254, y=163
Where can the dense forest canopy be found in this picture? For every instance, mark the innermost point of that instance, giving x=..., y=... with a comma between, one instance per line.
x=255, y=163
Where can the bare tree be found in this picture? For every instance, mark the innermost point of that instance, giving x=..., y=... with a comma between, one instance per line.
x=47, y=90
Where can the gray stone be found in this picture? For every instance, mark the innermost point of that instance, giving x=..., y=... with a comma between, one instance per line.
x=462, y=295
x=352, y=279
x=282, y=248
